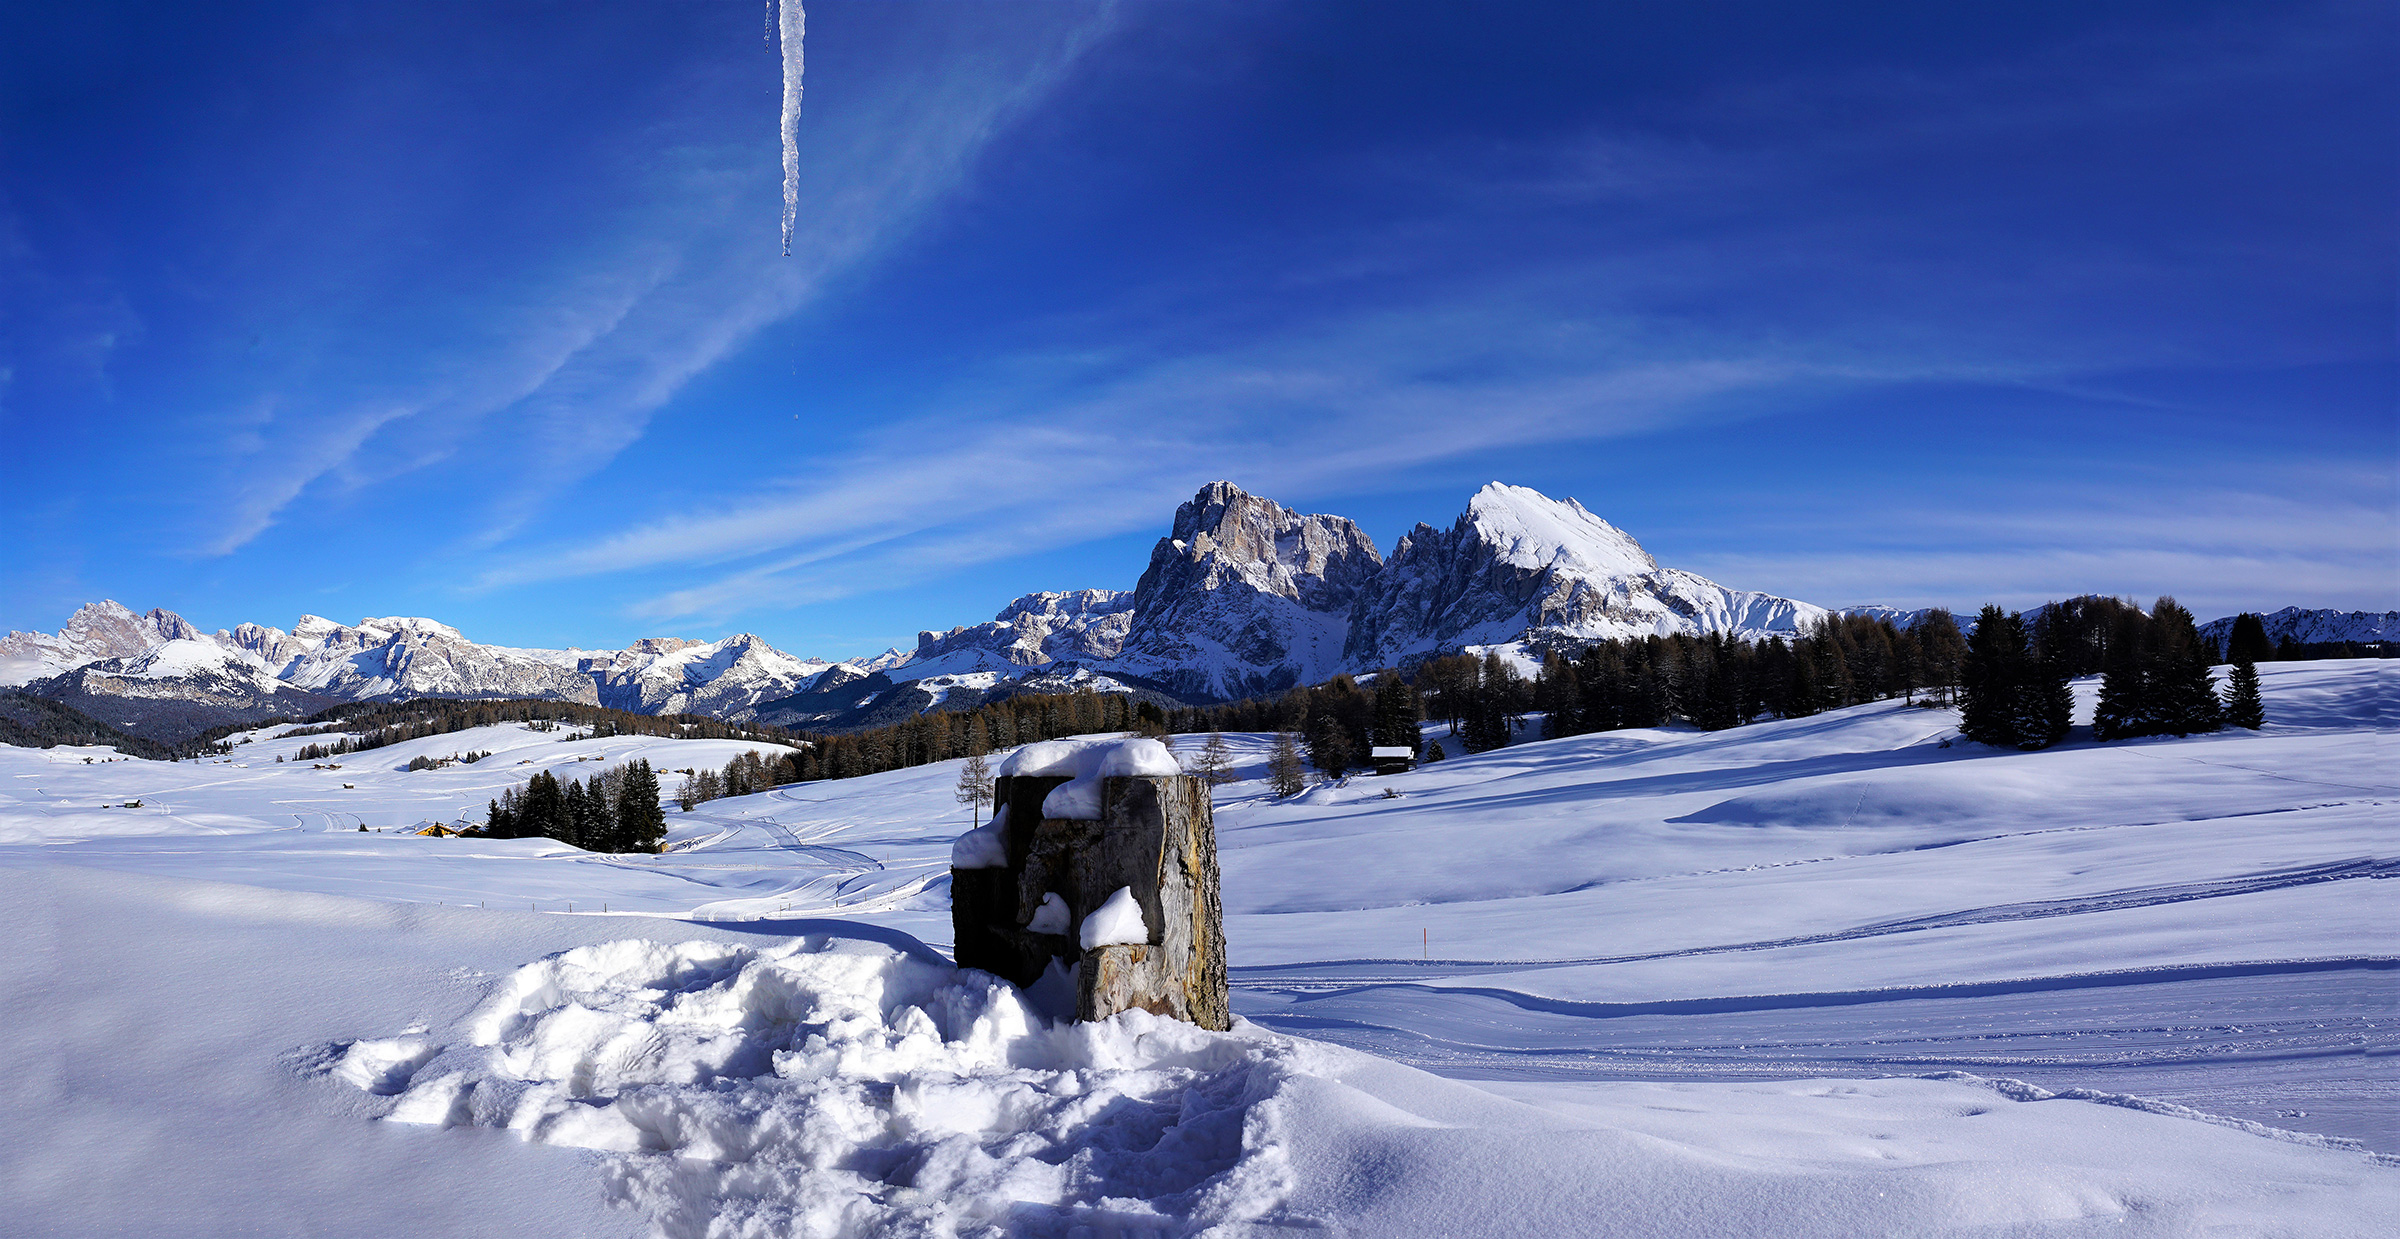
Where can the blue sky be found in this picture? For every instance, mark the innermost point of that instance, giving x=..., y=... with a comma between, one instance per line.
x=475, y=310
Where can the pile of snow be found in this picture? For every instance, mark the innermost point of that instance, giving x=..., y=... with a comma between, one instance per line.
x=1118, y=922
x=836, y=1086
x=985, y=847
x=827, y=1085
x=1087, y=762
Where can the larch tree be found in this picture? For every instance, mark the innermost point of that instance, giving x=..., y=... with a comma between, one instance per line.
x=975, y=786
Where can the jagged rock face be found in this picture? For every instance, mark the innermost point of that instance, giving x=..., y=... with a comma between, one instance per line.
x=97, y=631
x=1518, y=565
x=1246, y=596
x=1051, y=626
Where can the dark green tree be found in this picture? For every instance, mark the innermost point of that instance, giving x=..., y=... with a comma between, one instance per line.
x=1992, y=680
x=2124, y=708
x=641, y=825
x=2243, y=706
x=1329, y=749
x=542, y=811
x=1396, y=710
x=2248, y=641
x=2183, y=695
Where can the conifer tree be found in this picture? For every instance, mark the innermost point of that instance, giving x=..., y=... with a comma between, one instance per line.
x=2243, y=706
x=1285, y=775
x=2183, y=695
x=640, y=824
x=2248, y=640
x=2045, y=704
x=1941, y=651
x=1329, y=750
x=2124, y=708
x=1991, y=681
x=541, y=811
x=1802, y=695
x=575, y=822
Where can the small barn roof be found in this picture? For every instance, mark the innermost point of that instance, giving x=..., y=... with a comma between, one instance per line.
x=1391, y=750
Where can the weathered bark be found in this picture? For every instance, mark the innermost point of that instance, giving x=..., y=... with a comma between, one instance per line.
x=1157, y=836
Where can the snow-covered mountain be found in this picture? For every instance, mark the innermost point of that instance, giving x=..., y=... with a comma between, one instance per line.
x=1032, y=631
x=177, y=688
x=1519, y=566
x=1242, y=597
x=2308, y=626
x=1246, y=596
x=671, y=675
x=125, y=667
x=97, y=631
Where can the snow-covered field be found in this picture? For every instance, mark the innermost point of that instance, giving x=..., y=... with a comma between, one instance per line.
x=1830, y=976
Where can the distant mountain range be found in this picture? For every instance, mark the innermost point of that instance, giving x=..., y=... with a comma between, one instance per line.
x=1242, y=597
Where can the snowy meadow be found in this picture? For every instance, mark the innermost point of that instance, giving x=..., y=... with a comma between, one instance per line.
x=1838, y=975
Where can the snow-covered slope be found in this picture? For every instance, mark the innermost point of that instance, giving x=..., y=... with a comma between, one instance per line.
x=1245, y=596
x=1518, y=566
x=1834, y=976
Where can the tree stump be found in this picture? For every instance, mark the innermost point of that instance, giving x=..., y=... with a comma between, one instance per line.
x=1155, y=836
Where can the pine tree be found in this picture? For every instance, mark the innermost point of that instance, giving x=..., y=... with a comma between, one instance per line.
x=1802, y=695
x=2248, y=641
x=1285, y=775
x=1991, y=681
x=2124, y=708
x=975, y=786
x=2243, y=706
x=2183, y=697
x=575, y=823
x=542, y=811
x=2045, y=704
x=1329, y=750
x=640, y=824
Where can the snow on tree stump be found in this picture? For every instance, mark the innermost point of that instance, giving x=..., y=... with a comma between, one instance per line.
x=1075, y=825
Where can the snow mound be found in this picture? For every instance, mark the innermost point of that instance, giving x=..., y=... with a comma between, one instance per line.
x=1088, y=762
x=837, y=1086
x=1118, y=922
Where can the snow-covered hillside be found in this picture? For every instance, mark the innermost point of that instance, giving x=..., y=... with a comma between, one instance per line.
x=1755, y=982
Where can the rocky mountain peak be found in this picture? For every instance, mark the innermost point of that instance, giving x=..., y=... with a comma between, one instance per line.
x=1531, y=530
x=1226, y=535
x=1246, y=595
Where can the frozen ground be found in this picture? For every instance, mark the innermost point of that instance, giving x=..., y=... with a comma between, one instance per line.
x=1755, y=982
